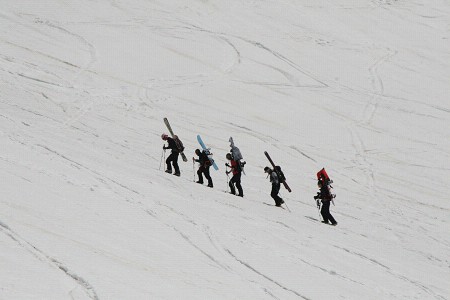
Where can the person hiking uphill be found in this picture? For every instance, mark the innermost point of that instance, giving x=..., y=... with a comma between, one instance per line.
x=275, y=186
x=173, y=157
x=205, y=163
x=236, y=179
x=325, y=196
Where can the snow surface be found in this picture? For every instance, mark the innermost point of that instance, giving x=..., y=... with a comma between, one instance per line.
x=359, y=87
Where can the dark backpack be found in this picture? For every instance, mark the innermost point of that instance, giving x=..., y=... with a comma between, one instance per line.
x=207, y=155
x=179, y=143
x=280, y=174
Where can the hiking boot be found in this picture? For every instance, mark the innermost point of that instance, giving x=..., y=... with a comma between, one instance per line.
x=282, y=201
x=325, y=222
x=240, y=195
x=334, y=224
x=177, y=174
x=201, y=182
x=169, y=171
x=210, y=185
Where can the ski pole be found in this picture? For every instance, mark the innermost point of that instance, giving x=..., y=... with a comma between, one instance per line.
x=228, y=178
x=279, y=193
x=164, y=154
x=287, y=206
x=193, y=167
x=160, y=162
x=318, y=208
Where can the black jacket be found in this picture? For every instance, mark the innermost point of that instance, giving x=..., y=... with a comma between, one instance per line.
x=172, y=145
x=203, y=159
x=324, y=194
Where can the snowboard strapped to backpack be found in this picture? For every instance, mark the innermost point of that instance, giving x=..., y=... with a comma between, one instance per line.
x=236, y=155
x=323, y=177
x=235, y=152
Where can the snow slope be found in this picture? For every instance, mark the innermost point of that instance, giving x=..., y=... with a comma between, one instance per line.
x=358, y=87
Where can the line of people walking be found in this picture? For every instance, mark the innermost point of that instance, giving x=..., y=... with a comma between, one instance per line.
x=236, y=167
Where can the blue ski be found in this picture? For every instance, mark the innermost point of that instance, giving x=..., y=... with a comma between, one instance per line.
x=208, y=152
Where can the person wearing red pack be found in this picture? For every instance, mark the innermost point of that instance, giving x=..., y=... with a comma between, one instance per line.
x=323, y=176
x=236, y=179
x=326, y=197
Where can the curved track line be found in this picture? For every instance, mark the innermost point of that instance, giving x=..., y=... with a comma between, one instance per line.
x=265, y=276
x=40, y=255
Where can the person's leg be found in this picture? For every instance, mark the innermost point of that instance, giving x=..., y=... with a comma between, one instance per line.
x=330, y=217
x=231, y=185
x=175, y=163
x=325, y=211
x=238, y=184
x=274, y=194
x=168, y=161
x=208, y=177
x=199, y=173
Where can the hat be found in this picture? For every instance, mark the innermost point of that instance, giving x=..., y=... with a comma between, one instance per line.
x=164, y=136
x=197, y=151
x=228, y=156
x=266, y=169
x=319, y=182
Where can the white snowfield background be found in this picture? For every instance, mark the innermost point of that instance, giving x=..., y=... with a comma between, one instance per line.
x=358, y=87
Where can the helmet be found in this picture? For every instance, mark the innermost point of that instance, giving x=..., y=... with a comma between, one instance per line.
x=164, y=136
x=228, y=156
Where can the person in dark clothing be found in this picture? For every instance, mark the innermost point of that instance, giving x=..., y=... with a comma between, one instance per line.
x=325, y=196
x=275, y=186
x=173, y=157
x=236, y=179
x=205, y=163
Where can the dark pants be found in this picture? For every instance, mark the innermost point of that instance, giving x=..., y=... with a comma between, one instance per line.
x=274, y=194
x=325, y=211
x=236, y=179
x=204, y=170
x=173, y=157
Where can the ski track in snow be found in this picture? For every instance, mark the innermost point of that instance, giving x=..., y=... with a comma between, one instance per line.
x=394, y=274
x=238, y=57
x=202, y=228
x=89, y=103
x=291, y=79
x=366, y=121
x=378, y=88
x=84, y=41
x=146, y=99
x=41, y=256
x=102, y=178
x=248, y=266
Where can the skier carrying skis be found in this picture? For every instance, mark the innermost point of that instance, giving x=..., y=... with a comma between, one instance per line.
x=205, y=163
x=325, y=196
x=173, y=157
x=275, y=186
x=236, y=179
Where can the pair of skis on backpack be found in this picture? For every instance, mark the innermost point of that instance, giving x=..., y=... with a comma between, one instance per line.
x=181, y=148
